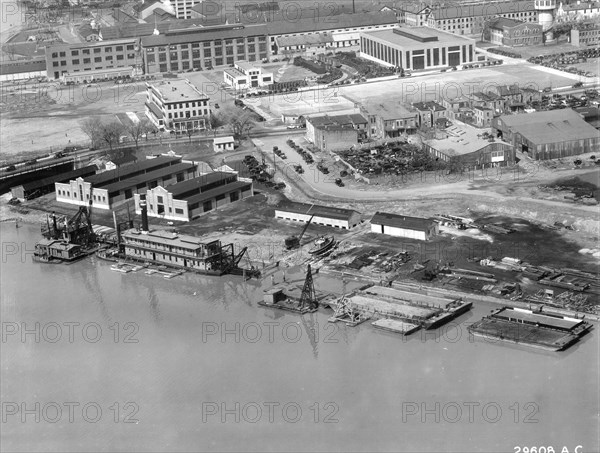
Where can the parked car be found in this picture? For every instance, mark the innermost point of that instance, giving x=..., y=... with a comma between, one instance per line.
x=339, y=182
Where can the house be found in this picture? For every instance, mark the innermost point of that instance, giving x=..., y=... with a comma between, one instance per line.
x=483, y=116
x=146, y=8
x=120, y=161
x=389, y=119
x=223, y=144
x=334, y=132
x=321, y=215
x=404, y=226
x=429, y=112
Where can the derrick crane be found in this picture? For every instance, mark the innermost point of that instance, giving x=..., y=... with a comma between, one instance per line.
x=308, y=299
x=293, y=242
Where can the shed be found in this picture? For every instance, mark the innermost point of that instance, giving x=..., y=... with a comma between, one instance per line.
x=404, y=226
x=223, y=144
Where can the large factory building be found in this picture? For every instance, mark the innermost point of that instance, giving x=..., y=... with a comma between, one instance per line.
x=548, y=135
x=416, y=48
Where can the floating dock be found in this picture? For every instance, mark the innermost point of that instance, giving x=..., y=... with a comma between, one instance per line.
x=533, y=329
x=406, y=309
x=395, y=326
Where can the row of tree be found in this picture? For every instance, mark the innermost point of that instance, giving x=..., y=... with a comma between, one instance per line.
x=109, y=133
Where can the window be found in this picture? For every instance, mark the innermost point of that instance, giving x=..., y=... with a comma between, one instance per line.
x=85, y=51
x=97, y=59
x=109, y=58
x=107, y=49
x=75, y=62
x=150, y=58
x=74, y=53
x=185, y=54
x=86, y=61
x=55, y=64
x=63, y=54
x=130, y=47
x=162, y=56
x=120, y=57
x=54, y=54
x=162, y=67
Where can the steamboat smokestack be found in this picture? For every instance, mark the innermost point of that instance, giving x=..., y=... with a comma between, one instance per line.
x=54, y=225
x=144, y=208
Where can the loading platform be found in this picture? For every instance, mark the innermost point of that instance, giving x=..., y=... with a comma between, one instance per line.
x=395, y=326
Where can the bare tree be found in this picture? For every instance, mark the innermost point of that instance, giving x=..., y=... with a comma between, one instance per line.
x=111, y=133
x=190, y=131
x=92, y=128
x=139, y=129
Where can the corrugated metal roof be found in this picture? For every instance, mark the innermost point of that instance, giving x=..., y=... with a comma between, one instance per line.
x=191, y=184
x=402, y=221
x=227, y=188
x=130, y=183
x=487, y=9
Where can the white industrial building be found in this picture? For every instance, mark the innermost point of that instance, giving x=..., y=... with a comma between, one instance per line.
x=321, y=215
x=245, y=75
x=404, y=226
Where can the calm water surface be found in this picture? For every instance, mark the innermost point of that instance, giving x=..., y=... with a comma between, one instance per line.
x=371, y=387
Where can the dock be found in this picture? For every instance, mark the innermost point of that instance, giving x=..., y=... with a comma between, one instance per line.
x=530, y=328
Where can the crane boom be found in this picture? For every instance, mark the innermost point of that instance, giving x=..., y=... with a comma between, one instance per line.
x=305, y=227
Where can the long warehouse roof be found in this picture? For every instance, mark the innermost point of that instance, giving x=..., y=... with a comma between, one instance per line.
x=147, y=177
x=120, y=173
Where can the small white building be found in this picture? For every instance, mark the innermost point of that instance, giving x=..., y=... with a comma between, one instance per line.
x=321, y=215
x=404, y=226
x=245, y=75
x=223, y=144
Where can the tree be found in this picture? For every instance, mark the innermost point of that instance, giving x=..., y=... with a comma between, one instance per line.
x=92, y=128
x=241, y=123
x=215, y=121
x=137, y=130
x=110, y=133
x=190, y=130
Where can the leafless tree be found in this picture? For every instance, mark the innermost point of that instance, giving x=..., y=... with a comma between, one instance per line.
x=92, y=128
x=139, y=129
x=110, y=133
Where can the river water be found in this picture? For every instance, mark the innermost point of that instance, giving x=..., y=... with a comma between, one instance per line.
x=132, y=362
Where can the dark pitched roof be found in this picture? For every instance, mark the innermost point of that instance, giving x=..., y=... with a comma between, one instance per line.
x=402, y=221
x=487, y=9
x=147, y=177
x=209, y=194
x=501, y=22
x=121, y=16
x=317, y=210
x=124, y=159
x=60, y=178
x=145, y=4
x=148, y=164
x=199, y=182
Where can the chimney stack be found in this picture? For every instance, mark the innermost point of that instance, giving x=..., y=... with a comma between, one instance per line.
x=144, y=208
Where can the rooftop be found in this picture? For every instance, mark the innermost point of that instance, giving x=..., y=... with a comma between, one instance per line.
x=222, y=140
x=552, y=126
x=541, y=319
x=209, y=194
x=418, y=37
x=429, y=105
x=246, y=65
x=198, y=183
x=284, y=41
x=61, y=178
x=145, y=165
x=173, y=239
x=462, y=139
x=402, y=221
x=501, y=22
x=486, y=9
x=337, y=120
x=391, y=110
x=316, y=210
x=177, y=90
x=147, y=177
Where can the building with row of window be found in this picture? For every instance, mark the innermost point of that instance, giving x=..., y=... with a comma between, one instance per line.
x=416, y=48
x=470, y=19
x=94, y=60
x=187, y=200
x=578, y=10
x=114, y=186
x=245, y=75
x=177, y=105
x=587, y=34
x=511, y=32
x=389, y=119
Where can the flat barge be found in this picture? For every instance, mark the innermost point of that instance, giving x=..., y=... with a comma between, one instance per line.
x=547, y=331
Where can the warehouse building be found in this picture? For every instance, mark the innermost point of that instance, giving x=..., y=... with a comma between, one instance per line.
x=177, y=105
x=416, y=48
x=463, y=143
x=34, y=189
x=189, y=199
x=404, y=226
x=321, y=215
x=94, y=60
x=550, y=134
x=22, y=70
x=120, y=184
x=336, y=132
x=389, y=119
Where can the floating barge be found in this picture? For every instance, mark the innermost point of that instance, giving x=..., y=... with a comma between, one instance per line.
x=395, y=326
x=547, y=331
x=406, y=308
